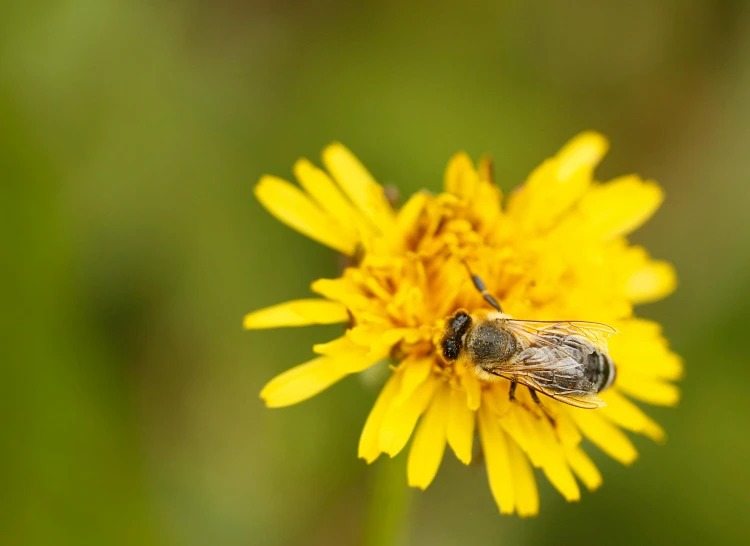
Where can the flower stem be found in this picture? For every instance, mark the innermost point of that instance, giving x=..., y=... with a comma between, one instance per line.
x=390, y=502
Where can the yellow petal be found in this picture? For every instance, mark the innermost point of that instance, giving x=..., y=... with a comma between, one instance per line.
x=542, y=448
x=427, y=449
x=415, y=372
x=520, y=424
x=619, y=206
x=537, y=192
x=460, y=429
x=460, y=176
x=608, y=437
x=556, y=466
x=297, y=313
x=380, y=339
x=319, y=185
x=567, y=430
x=584, y=468
x=652, y=282
x=557, y=184
x=307, y=380
x=368, y=441
x=342, y=290
x=341, y=346
x=584, y=150
x=486, y=207
x=624, y=413
x=641, y=352
x=524, y=483
x=358, y=184
x=292, y=207
x=546, y=196
x=410, y=213
x=473, y=387
x=495, y=446
x=648, y=390
x=536, y=438
x=486, y=169
x=400, y=420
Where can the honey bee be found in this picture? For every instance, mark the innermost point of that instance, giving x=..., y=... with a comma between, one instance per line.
x=565, y=360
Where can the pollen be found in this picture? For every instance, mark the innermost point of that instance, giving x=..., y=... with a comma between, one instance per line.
x=556, y=248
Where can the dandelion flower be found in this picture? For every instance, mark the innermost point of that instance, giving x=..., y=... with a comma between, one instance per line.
x=555, y=248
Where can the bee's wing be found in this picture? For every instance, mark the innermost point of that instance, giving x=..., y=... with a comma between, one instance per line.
x=577, y=399
x=548, y=333
x=547, y=369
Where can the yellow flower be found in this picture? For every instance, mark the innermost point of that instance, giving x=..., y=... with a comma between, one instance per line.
x=556, y=249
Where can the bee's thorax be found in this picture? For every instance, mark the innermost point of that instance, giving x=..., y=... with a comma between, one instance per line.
x=490, y=343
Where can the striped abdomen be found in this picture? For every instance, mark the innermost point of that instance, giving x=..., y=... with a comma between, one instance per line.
x=599, y=370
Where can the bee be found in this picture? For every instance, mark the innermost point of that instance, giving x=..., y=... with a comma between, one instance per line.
x=565, y=360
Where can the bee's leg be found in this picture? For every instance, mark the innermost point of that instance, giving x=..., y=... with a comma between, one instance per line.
x=535, y=398
x=479, y=285
x=512, y=391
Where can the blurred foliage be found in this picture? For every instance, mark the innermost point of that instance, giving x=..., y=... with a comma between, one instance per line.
x=132, y=135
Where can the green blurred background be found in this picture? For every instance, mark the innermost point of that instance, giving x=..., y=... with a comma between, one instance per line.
x=131, y=136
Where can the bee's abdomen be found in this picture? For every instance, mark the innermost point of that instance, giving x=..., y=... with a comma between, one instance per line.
x=600, y=370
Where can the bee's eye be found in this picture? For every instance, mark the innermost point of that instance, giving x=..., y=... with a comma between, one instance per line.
x=459, y=321
x=450, y=349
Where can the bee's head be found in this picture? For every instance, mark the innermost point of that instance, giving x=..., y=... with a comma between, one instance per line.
x=455, y=328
